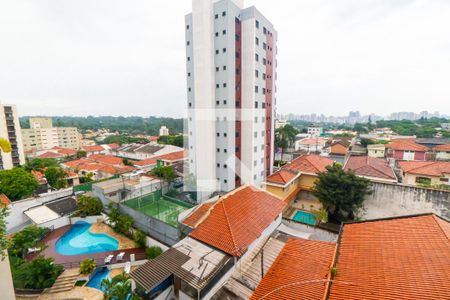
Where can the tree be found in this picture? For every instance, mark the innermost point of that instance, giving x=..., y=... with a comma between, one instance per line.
x=341, y=193
x=89, y=206
x=285, y=136
x=40, y=164
x=28, y=237
x=166, y=173
x=176, y=140
x=119, y=287
x=153, y=252
x=81, y=154
x=127, y=162
x=107, y=286
x=40, y=273
x=4, y=241
x=141, y=238
x=366, y=142
x=87, y=266
x=17, y=183
x=56, y=177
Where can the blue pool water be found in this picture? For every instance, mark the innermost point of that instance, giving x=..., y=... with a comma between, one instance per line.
x=79, y=240
x=95, y=281
x=305, y=217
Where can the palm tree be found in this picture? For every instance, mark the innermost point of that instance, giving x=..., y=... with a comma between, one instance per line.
x=122, y=290
x=108, y=288
x=122, y=277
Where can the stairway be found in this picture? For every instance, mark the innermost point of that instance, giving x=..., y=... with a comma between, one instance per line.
x=65, y=282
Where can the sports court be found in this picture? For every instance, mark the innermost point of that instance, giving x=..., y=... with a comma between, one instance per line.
x=159, y=207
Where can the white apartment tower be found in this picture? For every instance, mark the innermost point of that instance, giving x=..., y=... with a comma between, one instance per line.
x=10, y=130
x=230, y=59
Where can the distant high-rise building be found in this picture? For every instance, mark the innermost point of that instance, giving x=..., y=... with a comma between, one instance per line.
x=230, y=58
x=10, y=130
x=163, y=130
x=42, y=135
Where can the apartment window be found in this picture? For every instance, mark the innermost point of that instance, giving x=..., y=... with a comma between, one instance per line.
x=217, y=34
x=224, y=85
x=237, y=135
x=217, y=134
x=262, y=147
x=256, y=57
x=262, y=133
x=255, y=163
x=263, y=105
x=216, y=16
x=224, y=102
x=217, y=102
x=264, y=76
x=256, y=104
x=264, y=30
x=224, y=68
x=218, y=150
x=225, y=166
x=264, y=91
x=224, y=14
x=218, y=165
x=256, y=41
x=256, y=73
x=257, y=23
x=188, y=59
x=255, y=134
x=187, y=43
x=225, y=134
x=254, y=177
x=256, y=119
x=237, y=71
x=255, y=149
x=237, y=149
x=217, y=69
x=264, y=61
x=217, y=51
x=224, y=50
x=189, y=74
x=187, y=27
x=225, y=150
x=264, y=46
x=189, y=89
x=217, y=86
x=256, y=89
x=237, y=37
x=225, y=181
x=224, y=32
x=237, y=54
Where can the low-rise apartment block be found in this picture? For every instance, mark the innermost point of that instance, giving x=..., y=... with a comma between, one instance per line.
x=43, y=135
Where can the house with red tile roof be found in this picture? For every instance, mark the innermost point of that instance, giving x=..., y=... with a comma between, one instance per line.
x=397, y=258
x=165, y=160
x=4, y=200
x=442, y=152
x=310, y=145
x=394, y=258
x=100, y=166
x=431, y=173
x=406, y=149
x=95, y=149
x=57, y=153
x=372, y=168
x=295, y=181
x=239, y=219
x=300, y=271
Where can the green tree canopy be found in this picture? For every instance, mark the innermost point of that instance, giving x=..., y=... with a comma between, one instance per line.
x=28, y=237
x=4, y=241
x=89, y=206
x=39, y=273
x=40, y=164
x=166, y=173
x=341, y=192
x=17, y=183
x=176, y=140
x=285, y=136
x=56, y=177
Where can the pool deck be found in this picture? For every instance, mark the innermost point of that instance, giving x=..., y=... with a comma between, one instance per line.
x=72, y=261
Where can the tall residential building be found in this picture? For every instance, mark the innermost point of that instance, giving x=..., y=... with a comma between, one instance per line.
x=163, y=130
x=42, y=135
x=10, y=130
x=230, y=61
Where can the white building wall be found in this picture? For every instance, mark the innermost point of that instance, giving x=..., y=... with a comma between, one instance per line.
x=6, y=283
x=10, y=130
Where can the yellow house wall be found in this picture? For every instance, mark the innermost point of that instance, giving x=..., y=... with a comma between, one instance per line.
x=280, y=192
x=411, y=179
x=306, y=182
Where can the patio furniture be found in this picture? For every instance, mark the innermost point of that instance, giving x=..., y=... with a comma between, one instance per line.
x=120, y=256
x=127, y=267
x=32, y=250
x=108, y=259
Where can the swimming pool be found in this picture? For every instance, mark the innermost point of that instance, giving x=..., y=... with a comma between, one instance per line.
x=79, y=240
x=304, y=217
x=99, y=275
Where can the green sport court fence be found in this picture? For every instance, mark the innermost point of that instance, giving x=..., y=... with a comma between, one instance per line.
x=158, y=206
x=87, y=187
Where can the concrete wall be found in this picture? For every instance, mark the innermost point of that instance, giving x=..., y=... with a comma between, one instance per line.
x=389, y=200
x=56, y=223
x=317, y=234
x=90, y=219
x=16, y=216
x=6, y=283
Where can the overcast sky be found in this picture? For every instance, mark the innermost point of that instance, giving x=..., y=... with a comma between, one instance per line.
x=117, y=57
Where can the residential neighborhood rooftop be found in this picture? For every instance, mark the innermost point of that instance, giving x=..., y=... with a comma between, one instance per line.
x=370, y=167
x=430, y=168
x=406, y=145
x=309, y=164
x=282, y=177
x=237, y=219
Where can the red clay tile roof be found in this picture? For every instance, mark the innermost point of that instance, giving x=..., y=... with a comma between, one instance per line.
x=4, y=200
x=309, y=164
x=106, y=159
x=50, y=154
x=442, y=147
x=401, y=258
x=153, y=138
x=38, y=175
x=300, y=271
x=338, y=148
x=282, y=177
x=146, y=162
x=170, y=157
x=113, y=146
x=67, y=151
x=238, y=219
x=94, y=148
x=76, y=163
x=430, y=168
x=370, y=167
x=198, y=214
x=406, y=144
x=312, y=141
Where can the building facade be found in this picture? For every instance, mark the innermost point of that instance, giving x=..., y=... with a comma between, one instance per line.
x=10, y=130
x=230, y=58
x=163, y=130
x=42, y=135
